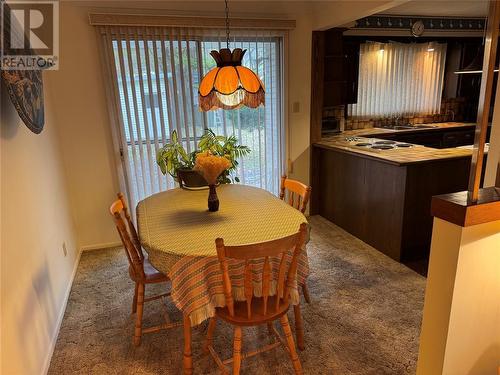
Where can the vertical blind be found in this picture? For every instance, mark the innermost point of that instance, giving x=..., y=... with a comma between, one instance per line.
x=156, y=72
x=397, y=78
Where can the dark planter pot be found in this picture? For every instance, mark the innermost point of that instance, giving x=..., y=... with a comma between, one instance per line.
x=189, y=178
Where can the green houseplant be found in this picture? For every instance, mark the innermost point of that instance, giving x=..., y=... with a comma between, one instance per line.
x=173, y=157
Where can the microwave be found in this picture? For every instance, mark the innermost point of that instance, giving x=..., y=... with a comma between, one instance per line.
x=333, y=121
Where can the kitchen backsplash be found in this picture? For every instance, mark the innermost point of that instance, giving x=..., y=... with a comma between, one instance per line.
x=451, y=110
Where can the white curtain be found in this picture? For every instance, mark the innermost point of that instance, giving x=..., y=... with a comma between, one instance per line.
x=397, y=79
x=156, y=72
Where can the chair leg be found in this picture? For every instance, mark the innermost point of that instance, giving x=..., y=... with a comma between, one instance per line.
x=299, y=327
x=210, y=334
x=138, y=318
x=291, y=345
x=134, y=302
x=305, y=292
x=187, y=360
x=237, y=350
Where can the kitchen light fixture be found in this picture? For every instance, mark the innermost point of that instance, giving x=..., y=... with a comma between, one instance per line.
x=230, y=85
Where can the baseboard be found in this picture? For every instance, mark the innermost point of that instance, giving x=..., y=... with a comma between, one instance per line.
x=101, y=246
x=61, y=316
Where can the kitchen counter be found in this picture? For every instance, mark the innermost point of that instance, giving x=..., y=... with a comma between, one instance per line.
x=398, y=156
x=434, y=127
x=383, y=197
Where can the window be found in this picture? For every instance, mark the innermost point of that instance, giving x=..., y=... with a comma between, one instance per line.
x=156, y=73
x=397, y=78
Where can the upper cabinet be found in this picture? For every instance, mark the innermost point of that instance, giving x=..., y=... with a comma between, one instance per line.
x=341, y=63
x=334, y=74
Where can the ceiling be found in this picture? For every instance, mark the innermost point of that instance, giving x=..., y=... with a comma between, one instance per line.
x=441, y=8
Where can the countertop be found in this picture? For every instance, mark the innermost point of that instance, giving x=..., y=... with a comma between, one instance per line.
x=398, y=156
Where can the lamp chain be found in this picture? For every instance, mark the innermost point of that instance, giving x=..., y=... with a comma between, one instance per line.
x=227, y=25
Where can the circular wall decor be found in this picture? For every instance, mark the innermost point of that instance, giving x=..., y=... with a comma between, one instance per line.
x=25, y=89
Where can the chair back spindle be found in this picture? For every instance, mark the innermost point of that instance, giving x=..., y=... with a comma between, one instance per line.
x=226, y=281
x=253, y=254
x=248, y=287
x=296, y=193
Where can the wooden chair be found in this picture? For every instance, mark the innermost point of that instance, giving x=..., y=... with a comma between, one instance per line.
x=295, y=192
x=297, y=195
x=258, y=310
x=141, y=271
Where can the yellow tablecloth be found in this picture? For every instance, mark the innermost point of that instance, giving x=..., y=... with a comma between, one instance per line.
x=178, y=233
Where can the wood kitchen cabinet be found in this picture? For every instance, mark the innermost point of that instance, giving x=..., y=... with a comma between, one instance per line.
x=458, y=138
x=334, y=74
x=383, y=203
x=341, y=66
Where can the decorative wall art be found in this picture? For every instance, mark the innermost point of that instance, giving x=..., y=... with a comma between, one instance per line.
x=25, y=87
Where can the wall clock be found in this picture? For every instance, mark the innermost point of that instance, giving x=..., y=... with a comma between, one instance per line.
x=418, y=28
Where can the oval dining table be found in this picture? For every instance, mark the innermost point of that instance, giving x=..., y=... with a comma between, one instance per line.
x=178, y=233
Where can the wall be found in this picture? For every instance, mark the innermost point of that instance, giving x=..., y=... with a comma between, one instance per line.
x=493, y=161
x=80, y=96
x=35, y=222
x=461, y=301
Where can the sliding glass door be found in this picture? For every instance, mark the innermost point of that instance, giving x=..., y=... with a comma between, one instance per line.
x=156, y=73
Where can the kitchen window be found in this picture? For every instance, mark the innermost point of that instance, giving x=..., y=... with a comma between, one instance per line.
x=156, y=74
x=399, y=79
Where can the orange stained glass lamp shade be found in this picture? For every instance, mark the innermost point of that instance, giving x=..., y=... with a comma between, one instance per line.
x=230, y=85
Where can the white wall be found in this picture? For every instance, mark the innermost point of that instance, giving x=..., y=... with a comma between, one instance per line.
x=35, y=221
x=461, y=319
x=493, y=161
x=80, y=97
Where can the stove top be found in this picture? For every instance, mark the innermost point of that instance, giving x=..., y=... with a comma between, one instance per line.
x=377, y=144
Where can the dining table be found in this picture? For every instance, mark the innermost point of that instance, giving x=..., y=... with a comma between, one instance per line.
x=178, y=233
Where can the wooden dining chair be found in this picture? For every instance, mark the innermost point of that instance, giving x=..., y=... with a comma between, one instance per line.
x=295, y=192
x=297, y=195
x=141, y=271
x=262, y=309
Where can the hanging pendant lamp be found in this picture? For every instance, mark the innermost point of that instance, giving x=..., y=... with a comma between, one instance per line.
x=230, y=85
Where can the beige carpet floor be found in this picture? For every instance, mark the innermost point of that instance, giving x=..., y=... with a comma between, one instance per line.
x=364, y=318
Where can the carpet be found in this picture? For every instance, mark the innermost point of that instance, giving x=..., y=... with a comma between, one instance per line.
x=364, y=318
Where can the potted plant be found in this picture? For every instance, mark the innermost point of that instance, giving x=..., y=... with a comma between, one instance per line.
x=174, y=160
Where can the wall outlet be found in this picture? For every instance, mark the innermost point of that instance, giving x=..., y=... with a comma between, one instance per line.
x=65, y=251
